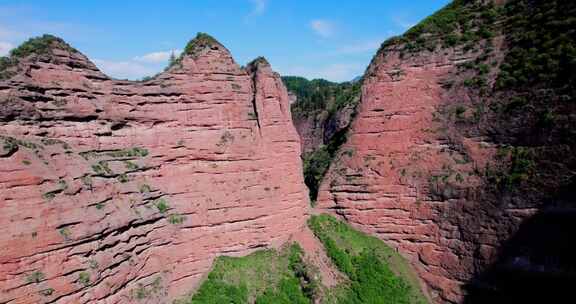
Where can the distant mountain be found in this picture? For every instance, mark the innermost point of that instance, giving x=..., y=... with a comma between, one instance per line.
x=356, y=79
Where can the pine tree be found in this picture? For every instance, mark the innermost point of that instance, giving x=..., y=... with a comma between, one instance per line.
x=172, y=60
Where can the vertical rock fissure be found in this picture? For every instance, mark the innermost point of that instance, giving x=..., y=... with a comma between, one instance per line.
x=254, y=94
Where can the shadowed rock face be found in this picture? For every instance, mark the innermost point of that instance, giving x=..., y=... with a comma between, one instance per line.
x=116, y=191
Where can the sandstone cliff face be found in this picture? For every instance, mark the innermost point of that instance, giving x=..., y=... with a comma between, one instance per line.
x=418, y=167
x=379, y=180
x=116, y=191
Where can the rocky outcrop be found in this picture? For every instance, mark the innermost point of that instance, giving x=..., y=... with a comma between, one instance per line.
x=441, y=165
x=118, y=191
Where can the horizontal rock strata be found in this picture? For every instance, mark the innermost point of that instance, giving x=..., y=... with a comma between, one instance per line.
x=116, y=191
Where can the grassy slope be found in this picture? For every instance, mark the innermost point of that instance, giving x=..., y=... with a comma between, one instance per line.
x=376, y=273
x=266, y=276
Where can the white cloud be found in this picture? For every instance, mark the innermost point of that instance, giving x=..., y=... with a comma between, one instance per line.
x=157, y=57
x=5, y=48
x=334, y=72
x=259, y=7
x=323, y=28
x=126, y=69
x=137, y=67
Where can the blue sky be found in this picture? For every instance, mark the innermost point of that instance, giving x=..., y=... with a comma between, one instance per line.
x=131, y=39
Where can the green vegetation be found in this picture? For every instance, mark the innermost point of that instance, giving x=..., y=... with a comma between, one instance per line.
x=264, y=277
x=130, y=165
x=35, y=277
x=65, y=233
x=53, y=141
x=259, y=60
x=176, y=219
x=132, y=152
x=145, y=188
x=321, y=98
x=521, y=168
x=161, y=205
x=9, y=145
x=84, y=278
x=86, y=180
x=40, y=45
x=144, y=292
x=193, y=48
x=12, y=144
x=318, y=95
x=33, y=46
x=317, y=163
x=462, y=22
x=543, y=45
x=123, y=178
x=377, y=274
x=50, y=195
x=93, y=264
x=102, y=168
x=201, y=41
x=119, y=153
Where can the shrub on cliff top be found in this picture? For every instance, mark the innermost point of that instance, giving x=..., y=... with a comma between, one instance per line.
x=460, y=22
x=201, y=41
x=37, y=46
x=40, y=45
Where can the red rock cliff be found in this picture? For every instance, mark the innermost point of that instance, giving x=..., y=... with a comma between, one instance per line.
x=115, y=191
x=377, y=181
x=423, y=165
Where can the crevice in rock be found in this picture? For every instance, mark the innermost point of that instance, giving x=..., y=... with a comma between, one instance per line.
x=253, y=99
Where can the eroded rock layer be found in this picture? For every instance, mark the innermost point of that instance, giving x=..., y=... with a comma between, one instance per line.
x=116, y=191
